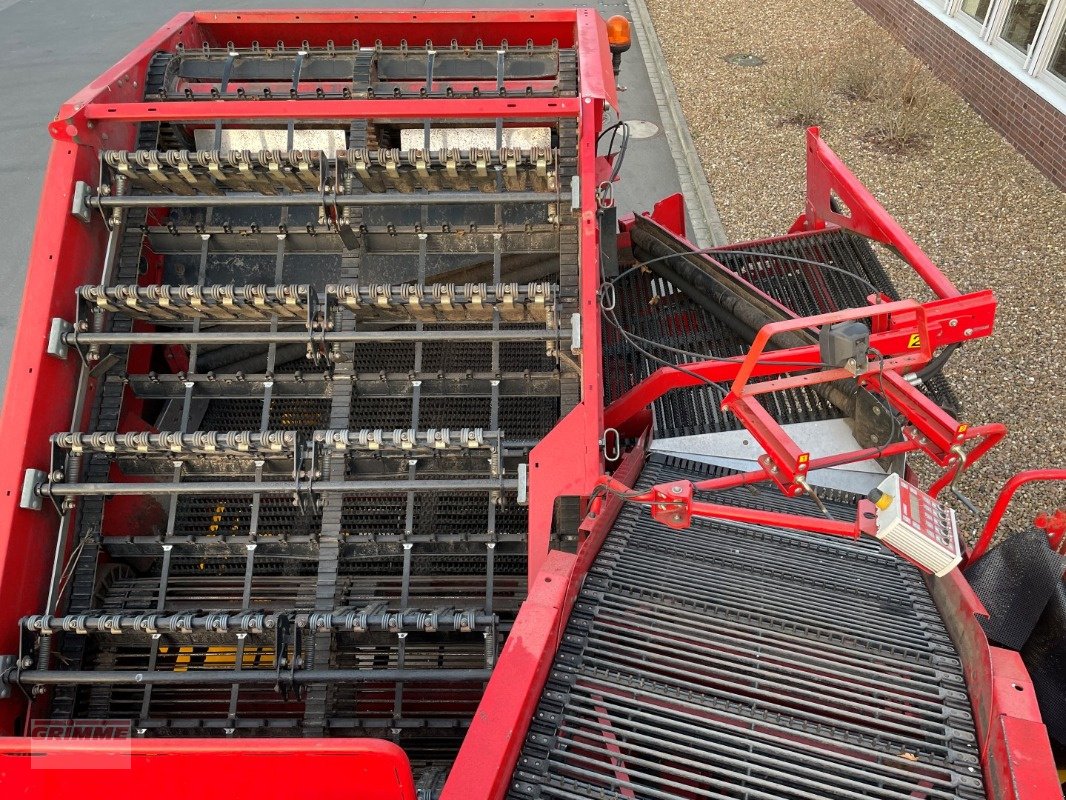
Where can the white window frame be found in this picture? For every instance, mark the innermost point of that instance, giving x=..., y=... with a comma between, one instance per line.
x=998, y=18
x=953, y=8
x=1030, y=68
x=1044, y=51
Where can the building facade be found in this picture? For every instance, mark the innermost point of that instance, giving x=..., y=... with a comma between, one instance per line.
x=1006, y=57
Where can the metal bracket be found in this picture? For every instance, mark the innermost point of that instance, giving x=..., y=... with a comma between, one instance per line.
x=80, y=203
x=575, y=333
x=523, y=484
x=575, y=193
x=29, y=499
x=57, y=341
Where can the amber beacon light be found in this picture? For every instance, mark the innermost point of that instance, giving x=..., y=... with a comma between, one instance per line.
x=618, y=34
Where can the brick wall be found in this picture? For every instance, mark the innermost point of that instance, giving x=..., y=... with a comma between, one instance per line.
x=1025, y=119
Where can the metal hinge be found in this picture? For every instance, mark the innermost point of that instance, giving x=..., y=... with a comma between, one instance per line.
x=80, y=204
x=29, y=499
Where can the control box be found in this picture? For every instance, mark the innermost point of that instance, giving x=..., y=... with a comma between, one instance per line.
x=916, y=526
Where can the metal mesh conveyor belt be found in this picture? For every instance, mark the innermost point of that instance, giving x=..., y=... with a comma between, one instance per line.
x=375, y=606
x=648, y=306
x=738, y=661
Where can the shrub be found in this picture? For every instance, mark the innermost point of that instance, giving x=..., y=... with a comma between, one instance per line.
x=803, y=98
x=909, y=97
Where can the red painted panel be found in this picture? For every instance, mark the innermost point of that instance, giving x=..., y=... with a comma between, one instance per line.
x=39, y=393
x=206, y=769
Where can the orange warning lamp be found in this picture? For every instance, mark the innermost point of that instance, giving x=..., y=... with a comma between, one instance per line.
x=620, y=39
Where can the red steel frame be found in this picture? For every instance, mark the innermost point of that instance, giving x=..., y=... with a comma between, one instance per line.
x=490, y=751
x=65, y=254
x=206, y=769
x=568, y=462
x=1016, y=756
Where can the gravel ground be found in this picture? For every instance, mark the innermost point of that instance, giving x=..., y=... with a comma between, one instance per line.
x=975, y=205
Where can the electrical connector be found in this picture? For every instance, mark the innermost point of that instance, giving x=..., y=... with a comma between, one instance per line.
x=845, y=345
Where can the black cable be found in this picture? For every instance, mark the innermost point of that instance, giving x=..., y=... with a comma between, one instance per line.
x=798, y=260
x=884, y=403
x=691, y=353
x=710, y=251
x=938, y=361
x=629, y=337
x=613, y=320
x=603, y=489
x=616, y=166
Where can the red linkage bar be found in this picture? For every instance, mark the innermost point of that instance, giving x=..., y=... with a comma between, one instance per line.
x=785, y=462
x=989, y=435
x=986, y=437
x=767, y=332
x=937, y=425
x=673, y=505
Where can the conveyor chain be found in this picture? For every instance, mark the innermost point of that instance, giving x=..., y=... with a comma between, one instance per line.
x=186, y=302
x=530, y=302
x=213, y=172
x=742, y=662
x=353, y=70
x=210, y=172
x=472, y=301
x=255, y=444
x=252, y=444
x=406, y=171
x=375, y=617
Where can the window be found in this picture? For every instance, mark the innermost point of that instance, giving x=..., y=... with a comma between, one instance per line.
x=1025, y=37
x=1057, y=66
x=1022, y=23
x=978, y=9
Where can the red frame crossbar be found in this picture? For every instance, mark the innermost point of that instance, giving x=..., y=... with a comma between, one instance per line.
x=1000, y=508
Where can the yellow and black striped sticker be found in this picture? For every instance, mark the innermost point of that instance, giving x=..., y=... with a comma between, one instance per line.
x=183, y=658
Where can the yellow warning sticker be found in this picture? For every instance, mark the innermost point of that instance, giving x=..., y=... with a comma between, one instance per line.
x=915, y=341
